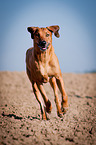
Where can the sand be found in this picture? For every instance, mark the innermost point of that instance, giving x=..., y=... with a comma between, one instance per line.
x=20, y=117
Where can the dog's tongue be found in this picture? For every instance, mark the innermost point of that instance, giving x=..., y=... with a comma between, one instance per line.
x=44, y=48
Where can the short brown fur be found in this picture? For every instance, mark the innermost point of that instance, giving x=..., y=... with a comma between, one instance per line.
x=42, y=66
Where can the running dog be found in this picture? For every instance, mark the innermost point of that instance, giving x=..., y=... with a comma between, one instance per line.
x=42, y=66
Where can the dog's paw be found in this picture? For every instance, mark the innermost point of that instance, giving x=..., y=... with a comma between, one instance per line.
x=60, y=115
x=48, y=107
x=64, y=110
x=64, y=107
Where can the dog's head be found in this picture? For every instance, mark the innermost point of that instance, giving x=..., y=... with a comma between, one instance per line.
x=43, y=36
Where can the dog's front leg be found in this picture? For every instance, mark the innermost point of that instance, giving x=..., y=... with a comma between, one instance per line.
x=64, y=103
x=57, y=101
x=38, y=97
x=45, y=98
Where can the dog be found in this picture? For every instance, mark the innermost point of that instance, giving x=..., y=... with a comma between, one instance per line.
x=42, y=66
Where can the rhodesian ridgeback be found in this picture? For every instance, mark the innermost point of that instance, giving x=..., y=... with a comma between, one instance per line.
x=42, y=66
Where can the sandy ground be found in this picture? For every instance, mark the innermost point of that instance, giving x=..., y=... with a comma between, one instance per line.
x=20, y=117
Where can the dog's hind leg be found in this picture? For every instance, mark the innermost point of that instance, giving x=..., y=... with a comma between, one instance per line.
x=38, y=97
x=57, y=101
x=45, y=98
x=64, y=103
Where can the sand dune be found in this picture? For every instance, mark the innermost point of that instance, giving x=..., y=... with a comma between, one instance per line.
x=20, y=118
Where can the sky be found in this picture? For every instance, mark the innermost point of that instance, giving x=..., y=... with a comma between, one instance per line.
x=76, y=47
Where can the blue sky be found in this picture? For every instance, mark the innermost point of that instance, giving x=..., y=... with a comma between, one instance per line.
x=76, y=47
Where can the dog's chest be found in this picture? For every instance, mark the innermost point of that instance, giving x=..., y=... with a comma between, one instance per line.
x=42, y=68
x=40, y=71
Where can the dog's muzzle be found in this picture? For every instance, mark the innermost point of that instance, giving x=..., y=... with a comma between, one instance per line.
x=43, y=45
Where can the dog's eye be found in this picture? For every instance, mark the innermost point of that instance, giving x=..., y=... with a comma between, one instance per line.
x=47, y=35
x=37, y=34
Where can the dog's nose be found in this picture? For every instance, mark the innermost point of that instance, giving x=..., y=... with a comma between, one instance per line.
x=43, y=43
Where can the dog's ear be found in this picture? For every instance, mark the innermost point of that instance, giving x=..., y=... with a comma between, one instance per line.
x=32, y=31
x=54, y=29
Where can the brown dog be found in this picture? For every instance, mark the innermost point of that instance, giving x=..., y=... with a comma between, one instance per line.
x=42, y=66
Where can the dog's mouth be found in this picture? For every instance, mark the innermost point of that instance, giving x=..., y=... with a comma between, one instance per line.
x=43, y=46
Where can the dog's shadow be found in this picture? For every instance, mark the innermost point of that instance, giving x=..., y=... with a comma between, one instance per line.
x=20, y=118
